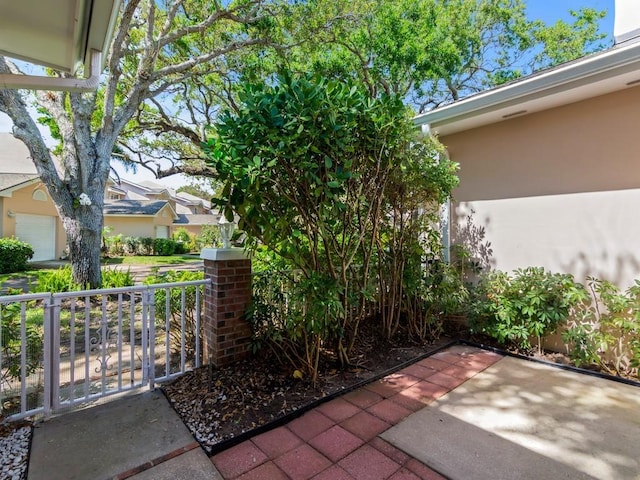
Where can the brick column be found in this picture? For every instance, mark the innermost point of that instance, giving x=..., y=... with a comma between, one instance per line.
x=227, y=297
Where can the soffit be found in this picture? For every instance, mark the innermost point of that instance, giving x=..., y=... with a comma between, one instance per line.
x=59, y=34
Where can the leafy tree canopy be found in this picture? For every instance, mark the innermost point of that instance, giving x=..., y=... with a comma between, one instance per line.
x=173, y=65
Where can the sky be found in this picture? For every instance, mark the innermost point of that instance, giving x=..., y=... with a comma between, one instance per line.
x=547, y=10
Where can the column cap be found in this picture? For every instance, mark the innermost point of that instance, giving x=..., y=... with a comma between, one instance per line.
x=218, y=254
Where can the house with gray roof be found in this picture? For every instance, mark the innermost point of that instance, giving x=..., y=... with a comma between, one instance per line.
x=147, y=209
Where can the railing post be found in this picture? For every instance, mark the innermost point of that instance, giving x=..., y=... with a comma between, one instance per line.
x=147, y=318
x=51, y=326
x=227, y=297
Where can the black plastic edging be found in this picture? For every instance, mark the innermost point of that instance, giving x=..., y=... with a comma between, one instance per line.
x=231, y=442
x=278, y=422
x=560, y=366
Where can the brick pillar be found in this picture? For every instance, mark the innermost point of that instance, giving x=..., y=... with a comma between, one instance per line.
x=227, y=297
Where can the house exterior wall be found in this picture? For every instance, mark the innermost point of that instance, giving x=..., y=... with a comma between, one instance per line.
x=558, y=189
x=139, y=226
x=21, y=202
x=130, y=226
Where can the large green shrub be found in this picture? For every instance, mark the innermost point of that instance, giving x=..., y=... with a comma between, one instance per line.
x=308, y=166
x=164, y=246
x=146, y=246
x=530, y=304
x=14, y=255
x=131, y=245
x=606, y=331
x=209, y=237
x=187, y=241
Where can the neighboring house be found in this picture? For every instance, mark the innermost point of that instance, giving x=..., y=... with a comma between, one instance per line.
x=190, y=212
x=137, y=210
x=550, y=166
x=27, y=211
x=139, y=218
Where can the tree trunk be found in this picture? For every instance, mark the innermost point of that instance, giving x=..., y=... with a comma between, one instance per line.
x=84, y=236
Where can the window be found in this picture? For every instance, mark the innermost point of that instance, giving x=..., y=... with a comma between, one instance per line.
x=39, y=195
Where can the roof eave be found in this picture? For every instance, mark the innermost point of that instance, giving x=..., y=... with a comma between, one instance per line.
x=623, y=59
x=8, y=192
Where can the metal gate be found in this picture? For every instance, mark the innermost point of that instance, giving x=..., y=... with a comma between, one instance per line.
x=58, y=351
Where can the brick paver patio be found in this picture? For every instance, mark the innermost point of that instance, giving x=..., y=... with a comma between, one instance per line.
x=339, y=439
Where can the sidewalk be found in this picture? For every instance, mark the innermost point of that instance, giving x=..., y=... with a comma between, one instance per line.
x=139, y=437
x=464, y=412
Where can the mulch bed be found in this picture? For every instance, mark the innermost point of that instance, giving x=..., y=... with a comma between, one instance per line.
x=219, y=405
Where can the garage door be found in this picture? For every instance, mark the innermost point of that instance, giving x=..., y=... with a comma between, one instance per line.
x=40, y=232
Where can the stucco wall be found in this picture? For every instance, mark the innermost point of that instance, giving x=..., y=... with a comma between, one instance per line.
x=559, y=189
x=139, y=226
x=131, y=226
x=21, y=201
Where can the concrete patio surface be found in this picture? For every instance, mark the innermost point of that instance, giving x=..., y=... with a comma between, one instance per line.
x=132, y=437
x=524, y=420
x=462, y=414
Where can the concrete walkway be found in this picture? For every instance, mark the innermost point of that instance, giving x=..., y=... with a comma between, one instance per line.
x=138, y=437
x=463, y=413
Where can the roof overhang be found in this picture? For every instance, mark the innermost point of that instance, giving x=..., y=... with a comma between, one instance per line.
x=64, y=35
x=132, y=213
x=26, y=179
x=598, y=74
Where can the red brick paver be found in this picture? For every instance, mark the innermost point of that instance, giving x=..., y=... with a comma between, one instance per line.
x=389, y=411
x=336, y=443
x=238, y=460
x=363, y=398
x=277, y=442
x=265, y=471
x=310, y=424
x=339, y=439
x=338, y=409
x=302, y=463
x=367, y=463
x=365, y=426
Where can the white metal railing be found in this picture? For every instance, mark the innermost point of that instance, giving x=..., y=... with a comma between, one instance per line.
x=95, y=343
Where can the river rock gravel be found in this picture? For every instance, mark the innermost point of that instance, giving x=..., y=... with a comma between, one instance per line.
x=14, y=451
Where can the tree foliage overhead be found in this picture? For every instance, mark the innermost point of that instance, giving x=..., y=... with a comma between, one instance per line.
x=432, y=52
x=160, y=50
x=174, y=64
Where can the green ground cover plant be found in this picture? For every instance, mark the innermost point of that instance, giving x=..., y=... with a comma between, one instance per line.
x=172, y=310
x=605, y=332
x=11, y=341
x=61, y=280
x=531, y=303
x=151, y=260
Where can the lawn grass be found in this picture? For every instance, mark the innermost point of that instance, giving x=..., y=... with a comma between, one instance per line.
x=31, y=275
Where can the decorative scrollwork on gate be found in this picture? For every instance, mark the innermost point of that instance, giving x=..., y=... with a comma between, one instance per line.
x=103, y=346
